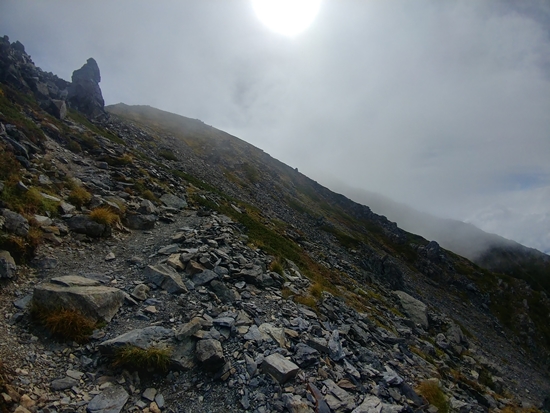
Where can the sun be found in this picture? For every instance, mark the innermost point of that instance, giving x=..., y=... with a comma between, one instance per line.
x=287, y=17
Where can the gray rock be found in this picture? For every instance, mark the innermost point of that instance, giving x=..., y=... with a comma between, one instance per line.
x=147, y=208
x=66, y=208
x=279, y=367
x=169, y=249
x=7, y=265
x=57, y=108
x=173, y=201
x=210, y=353
x=370, y=404
x=84, y=92
x=166, y=278
x=414, y=308
x=97, y=302
x=110, y=400
x=143, y=338
x=149, y=394
x=441, y=341
x=455, y=335
x=305, y=356
x=225, y=322
x=64, y=383
x=140, y=222
x=254, y=334
x=295, y=404
x=140, y=292
x=224, y=293
x=15, y=223
x=23, y=303
x=336, y=352
x=204, y=277
x=189, y=328
x=83, y=224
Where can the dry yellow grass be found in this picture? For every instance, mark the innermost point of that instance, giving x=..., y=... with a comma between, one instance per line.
x=104, y=216
x=63, y=323
x=430, y=390
x=79, y=197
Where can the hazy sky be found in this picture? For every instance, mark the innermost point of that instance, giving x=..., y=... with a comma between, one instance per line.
x=442, y=105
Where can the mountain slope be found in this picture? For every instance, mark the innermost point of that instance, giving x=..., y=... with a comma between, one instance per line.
x=489, y=251
x=216, y=244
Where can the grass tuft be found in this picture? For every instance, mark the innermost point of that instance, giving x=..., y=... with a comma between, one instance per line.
x=103, y=215
x=135, y=358
x=65, y=323
x=430, y=390
x=79, y=197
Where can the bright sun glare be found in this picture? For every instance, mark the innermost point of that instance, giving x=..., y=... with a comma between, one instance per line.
x=288, y=17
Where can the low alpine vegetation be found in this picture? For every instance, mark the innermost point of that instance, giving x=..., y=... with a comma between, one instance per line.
x=135, y=358
x=104, y=215
x=65, y=323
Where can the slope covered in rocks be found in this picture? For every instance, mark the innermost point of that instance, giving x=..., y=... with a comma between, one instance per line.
x=216, y=278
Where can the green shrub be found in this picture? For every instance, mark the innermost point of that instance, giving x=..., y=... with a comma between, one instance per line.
x=135, y=358
x=169, y=155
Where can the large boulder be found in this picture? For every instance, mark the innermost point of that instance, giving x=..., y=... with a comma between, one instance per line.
x=140, y=222
x=415, y=309
x=83, y=224
x=79, y=293
x=84, y=91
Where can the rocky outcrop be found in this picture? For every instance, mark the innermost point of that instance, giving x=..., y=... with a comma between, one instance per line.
x=85, y=295
x=84, y=92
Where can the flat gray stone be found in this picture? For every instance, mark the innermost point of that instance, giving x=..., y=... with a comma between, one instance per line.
x=142, y=338
x=110, y=400
x=166, y=278
x=204, y=277
x=279, y=367
x=64, y=383
x=97, y=302
x=173, y=201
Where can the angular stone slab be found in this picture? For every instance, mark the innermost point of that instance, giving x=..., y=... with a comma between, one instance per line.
x=143, y=338
x=110, y=400
x=279, y=367
x=190, y=328
x=210, y=353
x=415, y=309
x=173, y=201
x=166, y=278
x=204, y=277
x=97, y=302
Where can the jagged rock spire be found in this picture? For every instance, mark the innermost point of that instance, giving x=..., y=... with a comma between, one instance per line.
x=85, y=93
